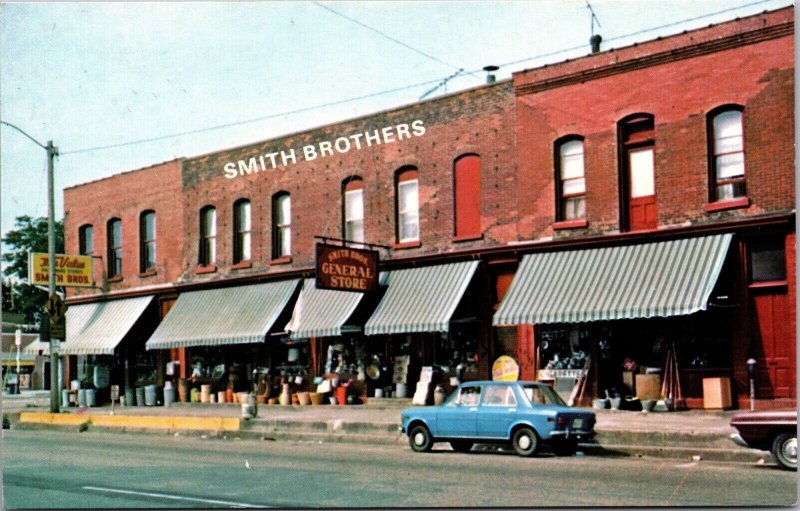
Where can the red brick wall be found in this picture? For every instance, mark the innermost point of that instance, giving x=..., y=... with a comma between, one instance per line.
x=125, y=196
x=679, y=92
x=478, y=121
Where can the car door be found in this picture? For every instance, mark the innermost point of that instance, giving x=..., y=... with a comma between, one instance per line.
x=497, y=411
x=458, y=418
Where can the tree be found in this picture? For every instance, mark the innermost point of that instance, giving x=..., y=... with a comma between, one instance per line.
x=29, y=236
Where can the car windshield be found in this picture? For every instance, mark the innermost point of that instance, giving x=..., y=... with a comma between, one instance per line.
x=542, y=395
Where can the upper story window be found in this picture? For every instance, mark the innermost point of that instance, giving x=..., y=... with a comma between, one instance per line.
x=726, y=143
x=281, y=225
x=407, y=206
x=467, y=186
x=208, y=236
x=114, y=236
x=242, y=231
x=354, y=210
x=86, y=240
x=147, y=241
x=637, y=172
x=570, y=180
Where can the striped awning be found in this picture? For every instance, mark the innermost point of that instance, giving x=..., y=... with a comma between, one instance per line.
x=36, y=347
x=321, y=312
x=97, y=328
x=218, y=317
x=420, y=299
x=669, y=278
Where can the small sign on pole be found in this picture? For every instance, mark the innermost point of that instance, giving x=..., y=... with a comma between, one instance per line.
x=114, y=396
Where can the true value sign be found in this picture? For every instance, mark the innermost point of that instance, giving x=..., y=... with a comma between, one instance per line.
x=71, y=270
x=346, y=269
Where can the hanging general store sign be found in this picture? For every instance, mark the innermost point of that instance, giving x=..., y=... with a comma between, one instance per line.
x=346, y=269
x=71, y=270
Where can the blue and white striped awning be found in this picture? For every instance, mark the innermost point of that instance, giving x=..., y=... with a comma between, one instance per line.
x=669, y=278
x=218, y=317
x=321, y=312
x=97, y=328
x=421, y=299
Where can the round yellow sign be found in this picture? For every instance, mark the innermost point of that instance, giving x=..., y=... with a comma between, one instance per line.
x=505, y=368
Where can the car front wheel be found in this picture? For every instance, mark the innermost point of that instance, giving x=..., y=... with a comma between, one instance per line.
x=525, y=442
x=784, y=449
x=420, y=439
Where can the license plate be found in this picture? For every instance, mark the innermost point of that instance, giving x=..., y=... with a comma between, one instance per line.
x=577, y=423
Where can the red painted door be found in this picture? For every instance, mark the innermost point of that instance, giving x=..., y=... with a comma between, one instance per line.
x=774, y=345
x=642, y=197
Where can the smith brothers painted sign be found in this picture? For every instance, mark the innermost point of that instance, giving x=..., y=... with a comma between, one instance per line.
x=71, y=270
x=346, y=269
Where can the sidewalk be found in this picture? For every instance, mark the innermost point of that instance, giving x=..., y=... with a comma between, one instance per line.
x=690, y=435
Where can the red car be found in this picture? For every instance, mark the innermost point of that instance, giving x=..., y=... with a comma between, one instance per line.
x=769, y=430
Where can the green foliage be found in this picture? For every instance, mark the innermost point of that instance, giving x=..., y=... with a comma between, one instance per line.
x=30, y=235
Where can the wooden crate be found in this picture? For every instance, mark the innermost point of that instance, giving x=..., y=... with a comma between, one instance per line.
x=648, y=386
x=717, y=393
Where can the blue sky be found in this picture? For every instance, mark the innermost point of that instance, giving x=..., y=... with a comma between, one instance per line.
x=89, y=75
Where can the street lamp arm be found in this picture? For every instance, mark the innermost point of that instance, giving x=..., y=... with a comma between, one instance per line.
x=30, y=137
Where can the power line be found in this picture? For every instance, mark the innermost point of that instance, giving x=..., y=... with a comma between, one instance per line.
x=623, y=36
x=248, y=121
x=386, y=36
x=389, y=91
x=687, y=20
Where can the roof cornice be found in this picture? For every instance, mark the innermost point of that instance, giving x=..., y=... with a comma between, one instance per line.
x=659, y=58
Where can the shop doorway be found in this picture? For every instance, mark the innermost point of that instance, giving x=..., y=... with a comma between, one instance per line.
x=774, y=345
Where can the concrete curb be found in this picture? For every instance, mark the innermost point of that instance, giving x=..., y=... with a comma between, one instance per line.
x=678, y=445
x=132, y=421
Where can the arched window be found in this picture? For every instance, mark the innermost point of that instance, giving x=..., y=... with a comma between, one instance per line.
x=147, y=241
x=281, y=225
x=208, y=236
x=86, y=239
x=242, y=231
x=467, y=186
x=353, y=200
x=114, y=237
x=570, y=180
x=726, y=149
x=407, y=205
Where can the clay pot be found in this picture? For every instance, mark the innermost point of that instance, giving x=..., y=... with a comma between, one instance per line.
x=183, y=391
x=272, y=401
x=316, y=398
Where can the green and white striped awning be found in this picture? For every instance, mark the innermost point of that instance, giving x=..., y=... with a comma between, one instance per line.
x=218, y=317
x=37, y=347
x=669, y=278
x=420, y=299
x=97, y=328
x=321, y=312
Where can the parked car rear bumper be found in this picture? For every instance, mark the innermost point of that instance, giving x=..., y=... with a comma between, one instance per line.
x=570, y=434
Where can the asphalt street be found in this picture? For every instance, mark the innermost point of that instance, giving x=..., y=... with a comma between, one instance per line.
x=52, y=469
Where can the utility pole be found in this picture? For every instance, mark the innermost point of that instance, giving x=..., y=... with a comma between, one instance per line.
x=45, y=337
x=52, y=152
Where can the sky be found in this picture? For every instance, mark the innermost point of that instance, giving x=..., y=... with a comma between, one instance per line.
x=190, y=78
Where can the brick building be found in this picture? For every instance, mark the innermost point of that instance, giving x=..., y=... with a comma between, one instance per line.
x=654, y=159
